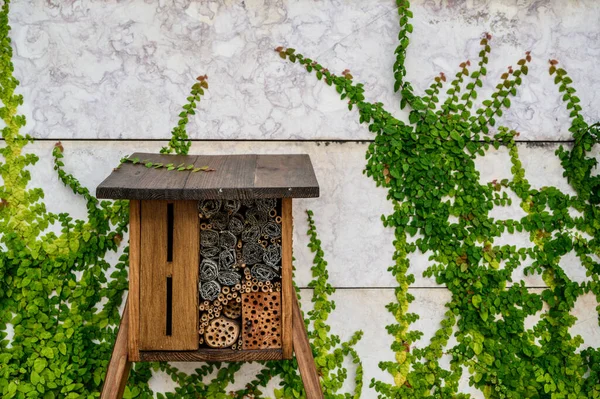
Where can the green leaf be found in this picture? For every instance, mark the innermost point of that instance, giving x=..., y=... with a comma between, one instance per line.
x=39, y=364
x=47, y=352
x=477, y=347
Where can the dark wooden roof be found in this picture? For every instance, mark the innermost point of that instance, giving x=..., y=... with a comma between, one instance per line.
x=234, y=176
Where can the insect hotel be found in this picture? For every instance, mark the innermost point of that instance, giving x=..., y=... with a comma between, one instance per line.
x=210, y=261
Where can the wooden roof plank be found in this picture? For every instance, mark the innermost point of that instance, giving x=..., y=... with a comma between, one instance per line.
x=289, y=174
x=126, y=182
x=234, y=176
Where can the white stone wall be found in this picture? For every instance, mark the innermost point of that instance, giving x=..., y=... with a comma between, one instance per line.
x=107, y=78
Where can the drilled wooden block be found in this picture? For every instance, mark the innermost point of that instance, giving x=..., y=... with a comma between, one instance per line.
x=221, y=332
x=233, y=310
x=261, y=320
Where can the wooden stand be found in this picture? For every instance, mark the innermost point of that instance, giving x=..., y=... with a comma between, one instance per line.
x=169, y=218
x=119, y=365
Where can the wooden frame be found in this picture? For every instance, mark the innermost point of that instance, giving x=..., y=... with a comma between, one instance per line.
x=147, y=341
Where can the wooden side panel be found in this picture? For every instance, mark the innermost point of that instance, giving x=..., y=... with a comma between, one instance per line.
x=186, y=253
x=134, y=279
x=287, y=289
x=163, y=282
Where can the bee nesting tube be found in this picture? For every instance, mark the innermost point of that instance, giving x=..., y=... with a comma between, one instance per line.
x=272, y=213
x=278, y=219
x=225, y=290
x=233, y=310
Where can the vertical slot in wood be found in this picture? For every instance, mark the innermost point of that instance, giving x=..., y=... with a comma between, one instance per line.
x=170, y=217
x=169, y=312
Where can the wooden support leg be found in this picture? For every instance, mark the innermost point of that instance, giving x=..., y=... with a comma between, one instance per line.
x=119, y=366
x=304, y=356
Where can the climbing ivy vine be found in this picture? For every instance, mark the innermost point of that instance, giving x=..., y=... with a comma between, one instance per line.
x=58, y=308
x=442, y=208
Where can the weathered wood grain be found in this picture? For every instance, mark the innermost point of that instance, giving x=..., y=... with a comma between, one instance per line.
x=160, y=183
x=234, y=176
x=153, y=275
x=231, y=179
x=211, y=355
x=119, y=365
x=287, y=288
x=134, y=279
x=186, y=258
x=183, y=272
x=304, y=356
x=275, y=173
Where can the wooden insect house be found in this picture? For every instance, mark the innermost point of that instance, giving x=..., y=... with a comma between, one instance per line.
x=210, y=275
